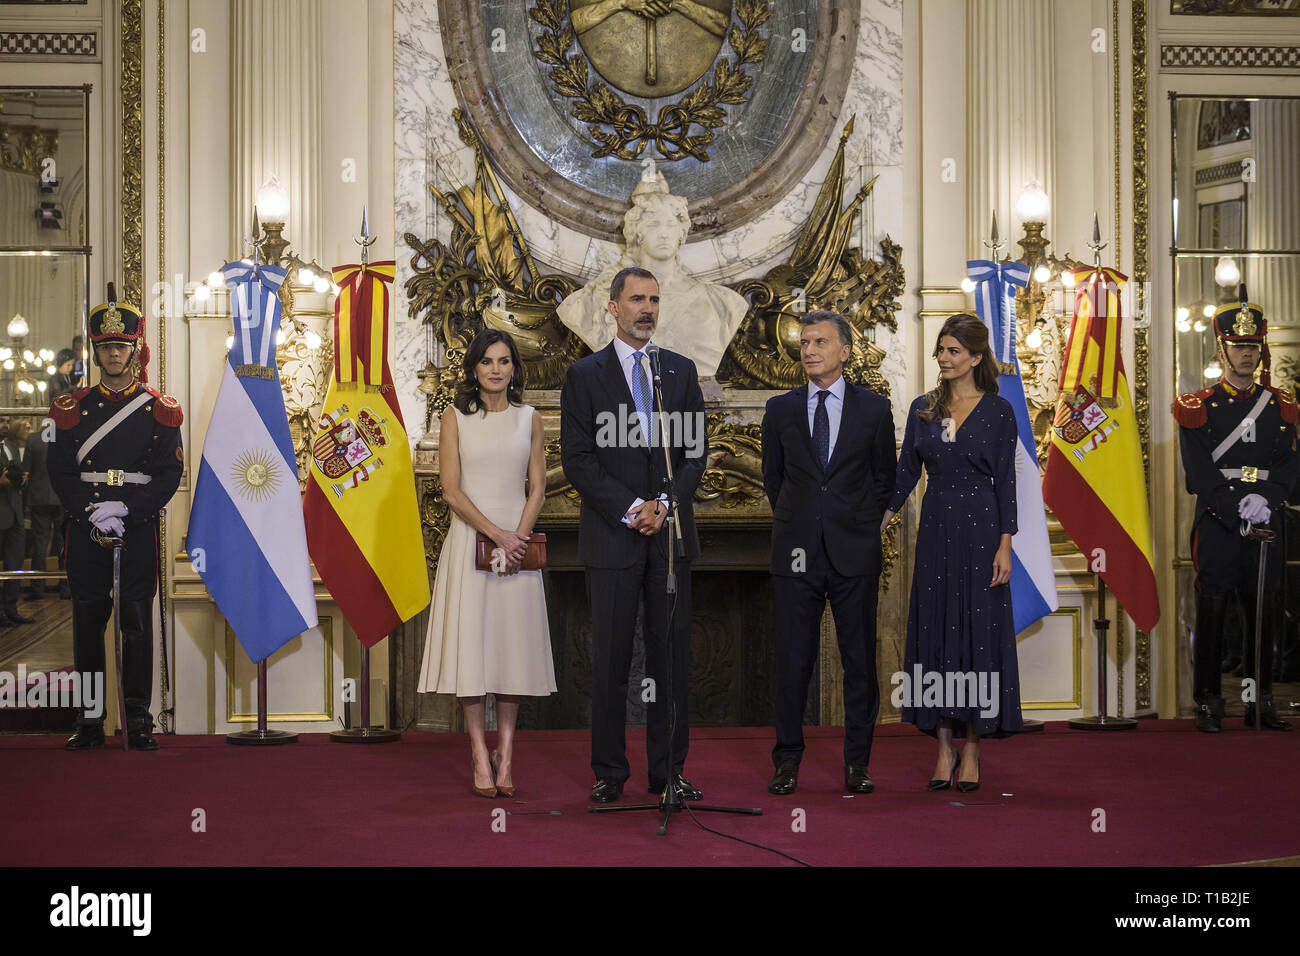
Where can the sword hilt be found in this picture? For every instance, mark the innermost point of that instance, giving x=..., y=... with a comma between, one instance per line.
x=1257, y=532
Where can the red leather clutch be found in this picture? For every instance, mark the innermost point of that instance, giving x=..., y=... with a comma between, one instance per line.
x=534, y=557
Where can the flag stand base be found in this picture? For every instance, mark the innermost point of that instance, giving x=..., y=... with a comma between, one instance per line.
x=365, y=734
x=261, y=737
x=1101, y=721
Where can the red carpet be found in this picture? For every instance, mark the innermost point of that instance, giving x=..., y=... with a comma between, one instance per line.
x=1171, y=797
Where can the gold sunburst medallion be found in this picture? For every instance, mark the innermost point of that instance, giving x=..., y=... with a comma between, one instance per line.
x=257, y=474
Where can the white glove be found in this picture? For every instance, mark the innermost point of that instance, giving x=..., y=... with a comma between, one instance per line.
x=107, y=516
x=1254, y=508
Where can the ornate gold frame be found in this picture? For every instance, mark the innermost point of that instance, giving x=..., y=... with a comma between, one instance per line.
x=1141, y=274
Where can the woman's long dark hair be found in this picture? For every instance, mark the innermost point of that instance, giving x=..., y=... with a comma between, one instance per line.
x=467, y=392
x=973, y=335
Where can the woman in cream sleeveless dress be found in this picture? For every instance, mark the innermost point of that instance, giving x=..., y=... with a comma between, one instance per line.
x=488, y=632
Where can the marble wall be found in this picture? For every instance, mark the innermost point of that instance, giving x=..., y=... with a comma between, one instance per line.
x=428, y=149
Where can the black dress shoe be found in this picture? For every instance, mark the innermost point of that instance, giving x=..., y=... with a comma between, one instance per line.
x=1209, y=714
x=857, y=780
x=1267, y=715
x=606, y=790
x=786, y=779
x=86, y=738
x=689, y=790
x=141, y=740
x=17, y=617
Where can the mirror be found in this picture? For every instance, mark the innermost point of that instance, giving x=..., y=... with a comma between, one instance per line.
x=1236, y=218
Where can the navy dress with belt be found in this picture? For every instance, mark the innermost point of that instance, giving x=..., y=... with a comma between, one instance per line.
x=957, y=624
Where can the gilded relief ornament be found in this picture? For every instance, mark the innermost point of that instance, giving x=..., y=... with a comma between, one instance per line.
x=651, y=49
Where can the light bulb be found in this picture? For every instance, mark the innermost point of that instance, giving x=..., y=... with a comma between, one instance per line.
x=6, y=353
x=29, y=356
x=25, y=386
x=305, y=276
x=1034, y=339
x=1213, y=371
x=46, y=354
x=202, y=293
x=1182, y=314
x=1069, y=280
x=1226, y=272
x=1032, y=205
x=313, y=340
x=968, y=284
x=1208, y=311
x=18, y=327
x=321, y=285
x=1199, y=326
x=50, y=370
x=1184, y=325
x=9, y=365
x=273, y=201
x=1042, y=274
x=41, y=385
x=216, y=280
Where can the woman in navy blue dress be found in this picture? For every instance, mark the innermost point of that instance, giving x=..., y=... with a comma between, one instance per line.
x=960, y=677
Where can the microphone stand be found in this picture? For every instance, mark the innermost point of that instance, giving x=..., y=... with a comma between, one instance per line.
x=671, y=800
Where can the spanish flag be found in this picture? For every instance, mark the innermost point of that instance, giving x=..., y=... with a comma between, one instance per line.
x=1094, y=481
x=363, y=522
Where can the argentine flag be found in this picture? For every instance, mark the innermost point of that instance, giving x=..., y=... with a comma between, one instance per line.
x=246, y=535
x=1033, y=582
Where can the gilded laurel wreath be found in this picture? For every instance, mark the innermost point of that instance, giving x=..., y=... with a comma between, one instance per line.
x=622, y=129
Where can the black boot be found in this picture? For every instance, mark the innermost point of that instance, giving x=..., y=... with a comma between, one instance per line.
x=137, y=672
x=1209, y=714
x=12, y=612
x=1268, y=717
x=87, y=737
x=1210, y=614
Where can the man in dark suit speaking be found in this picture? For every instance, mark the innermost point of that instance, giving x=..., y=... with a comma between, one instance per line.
x=607, y=412
x=828, y=469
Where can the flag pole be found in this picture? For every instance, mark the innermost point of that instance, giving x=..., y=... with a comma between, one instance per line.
x=365, y=734
x=994, y=244
x=1102, y=721
x=261, y=737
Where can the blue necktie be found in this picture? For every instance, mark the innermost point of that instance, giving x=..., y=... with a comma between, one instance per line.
x=641, y=395
x=822, y=429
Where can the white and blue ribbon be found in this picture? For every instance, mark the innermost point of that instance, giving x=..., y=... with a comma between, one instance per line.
x=995, y=302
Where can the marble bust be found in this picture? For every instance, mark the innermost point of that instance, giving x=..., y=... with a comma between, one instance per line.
x=696, y=319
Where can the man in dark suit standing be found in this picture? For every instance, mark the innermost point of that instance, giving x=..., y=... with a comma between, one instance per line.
x=606, y=409
x=13, y=524
x=828, y=469
x=45, y=508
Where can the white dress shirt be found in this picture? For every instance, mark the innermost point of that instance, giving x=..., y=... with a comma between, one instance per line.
x=834, y=409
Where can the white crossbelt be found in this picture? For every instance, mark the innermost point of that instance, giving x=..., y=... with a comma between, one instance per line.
x=1234, y=436
x=102, y=431
x=116, y=477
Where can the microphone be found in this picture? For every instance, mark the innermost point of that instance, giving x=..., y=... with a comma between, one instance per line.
x=652, y=351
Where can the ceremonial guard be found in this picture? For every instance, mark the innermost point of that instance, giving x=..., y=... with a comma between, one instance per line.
x=115, y=462
x=1238, y=442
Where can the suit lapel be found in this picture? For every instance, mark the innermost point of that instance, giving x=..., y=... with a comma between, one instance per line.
x=848, y=415
x=799, y=407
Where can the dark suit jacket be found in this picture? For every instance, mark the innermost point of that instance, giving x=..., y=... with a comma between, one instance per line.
x=611, y=475
x=11, y=497
x=839, y=508
x=39, y=493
